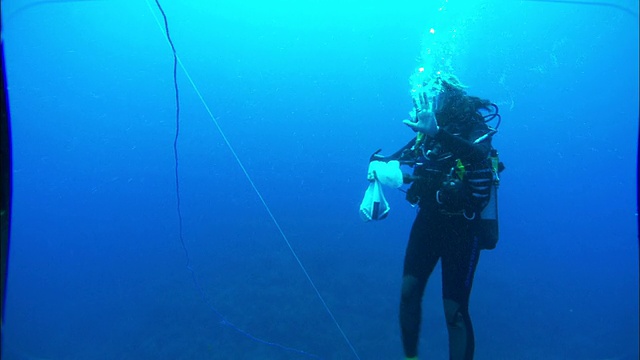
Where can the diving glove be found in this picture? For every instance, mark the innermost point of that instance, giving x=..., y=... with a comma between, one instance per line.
x=388, y=173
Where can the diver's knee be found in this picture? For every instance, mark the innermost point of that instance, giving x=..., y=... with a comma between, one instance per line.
x=410, y=287
x=452, y=312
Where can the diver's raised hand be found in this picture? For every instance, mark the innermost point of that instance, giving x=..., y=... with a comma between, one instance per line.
x=425, y=118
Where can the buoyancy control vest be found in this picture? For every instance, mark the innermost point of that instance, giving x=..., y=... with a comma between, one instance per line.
x=456, y=188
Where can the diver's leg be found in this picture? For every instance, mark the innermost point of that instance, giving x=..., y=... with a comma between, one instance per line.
x=419, y=261
x=459, y=263
x=461, y=338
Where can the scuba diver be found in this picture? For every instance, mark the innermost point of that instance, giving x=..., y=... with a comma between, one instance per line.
x=454, y=183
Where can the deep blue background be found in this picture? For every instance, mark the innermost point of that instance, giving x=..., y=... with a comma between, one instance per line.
x=304, y=94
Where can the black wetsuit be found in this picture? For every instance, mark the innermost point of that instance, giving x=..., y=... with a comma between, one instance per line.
x=443, y=231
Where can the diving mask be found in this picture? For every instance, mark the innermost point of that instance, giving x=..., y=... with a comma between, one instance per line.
x=437, y=101
x=441, y=92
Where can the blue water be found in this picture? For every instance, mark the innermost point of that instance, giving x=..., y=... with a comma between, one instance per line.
x=304, y=94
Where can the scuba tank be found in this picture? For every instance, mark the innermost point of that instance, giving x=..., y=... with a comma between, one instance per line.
x=488, y=233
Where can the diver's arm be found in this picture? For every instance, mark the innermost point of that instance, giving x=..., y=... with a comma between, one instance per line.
x=404, y=156
x=400, y=155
